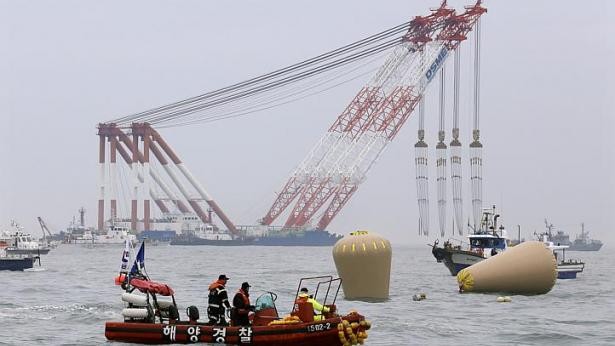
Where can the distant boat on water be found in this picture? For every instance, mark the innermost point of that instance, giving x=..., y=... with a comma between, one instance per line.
x=270, y=237
x=581, y=243
x=584, y=243
x=18, y=242
x=17, y=262
x=566, y=268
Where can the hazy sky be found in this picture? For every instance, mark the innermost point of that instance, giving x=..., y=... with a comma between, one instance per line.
x=547, y=101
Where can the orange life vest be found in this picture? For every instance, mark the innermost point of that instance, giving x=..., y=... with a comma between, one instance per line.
x=244, y=296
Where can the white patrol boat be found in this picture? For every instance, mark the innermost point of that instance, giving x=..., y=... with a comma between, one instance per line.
x=20, y=243
x=116, y=234
x=566, y=269
x=487, y=241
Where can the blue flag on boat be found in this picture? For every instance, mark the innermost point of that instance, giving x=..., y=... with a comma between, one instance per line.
x=139, y=265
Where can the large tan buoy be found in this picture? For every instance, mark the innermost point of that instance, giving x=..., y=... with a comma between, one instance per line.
x=528, y=268
x=363, y=261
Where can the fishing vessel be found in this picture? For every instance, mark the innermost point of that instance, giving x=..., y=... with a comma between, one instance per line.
x=486, y=241
x=151, y=316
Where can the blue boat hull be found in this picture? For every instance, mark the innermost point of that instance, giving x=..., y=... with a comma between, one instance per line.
x=567, y=275
x=17, y=264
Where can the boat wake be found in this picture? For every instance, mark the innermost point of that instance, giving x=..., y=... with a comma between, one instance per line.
x=35, y=269
x=71, y=312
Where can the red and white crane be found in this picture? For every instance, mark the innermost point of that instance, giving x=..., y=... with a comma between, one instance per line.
x=332, y=171
x=314, y=180
x=335, y=168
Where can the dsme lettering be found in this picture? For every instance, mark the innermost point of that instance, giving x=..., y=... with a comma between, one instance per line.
x=436, y=64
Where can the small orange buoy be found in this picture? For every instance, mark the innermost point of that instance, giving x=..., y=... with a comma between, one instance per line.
x=120, y=279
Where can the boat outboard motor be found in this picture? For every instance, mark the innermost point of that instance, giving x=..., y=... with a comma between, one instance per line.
x=193, y=313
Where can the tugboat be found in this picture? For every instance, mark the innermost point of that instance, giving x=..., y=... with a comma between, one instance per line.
x=150, y=317
x=486, y=241
x=583, y=243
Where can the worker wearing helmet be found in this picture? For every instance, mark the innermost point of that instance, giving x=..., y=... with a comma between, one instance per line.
x=304, y=296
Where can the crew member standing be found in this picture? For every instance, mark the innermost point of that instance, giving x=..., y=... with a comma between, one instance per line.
x=218, y=301
x=241, y=306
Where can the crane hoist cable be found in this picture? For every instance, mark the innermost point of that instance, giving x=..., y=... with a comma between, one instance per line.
x=269, y=86
x=280, y=72
x=268, y=103
x=288, y=91
x=239, y=113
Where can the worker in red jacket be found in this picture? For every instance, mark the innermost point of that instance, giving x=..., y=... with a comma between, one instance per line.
x=319, y=309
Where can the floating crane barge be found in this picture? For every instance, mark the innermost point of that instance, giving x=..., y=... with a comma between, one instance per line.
x=324, y=182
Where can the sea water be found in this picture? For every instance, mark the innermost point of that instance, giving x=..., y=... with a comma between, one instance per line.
x=71, y=298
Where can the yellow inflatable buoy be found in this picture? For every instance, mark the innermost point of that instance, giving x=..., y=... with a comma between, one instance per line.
x=528, y=268
x=363, y=261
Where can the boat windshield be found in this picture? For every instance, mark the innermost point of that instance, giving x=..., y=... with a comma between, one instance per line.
x=265, y=301
x=497, y=243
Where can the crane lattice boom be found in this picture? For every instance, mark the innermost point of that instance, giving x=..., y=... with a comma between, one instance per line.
x=341, y=159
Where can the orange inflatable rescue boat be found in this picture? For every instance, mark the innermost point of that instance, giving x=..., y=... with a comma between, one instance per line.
x=151, y=317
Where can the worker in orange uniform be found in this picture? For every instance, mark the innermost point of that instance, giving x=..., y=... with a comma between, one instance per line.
x=218, y=301
x=304, y=296
x=241, y=306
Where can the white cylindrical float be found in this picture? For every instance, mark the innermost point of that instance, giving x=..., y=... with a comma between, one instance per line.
x=528, y=268
x=134, y=299
x=363, y=261
x=135, y=313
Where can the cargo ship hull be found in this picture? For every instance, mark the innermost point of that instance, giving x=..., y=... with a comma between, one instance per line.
x=193, y=241
x=308, y=238
x=585, y=247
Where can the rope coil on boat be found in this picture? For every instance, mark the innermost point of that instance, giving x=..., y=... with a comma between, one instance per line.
x=286, y=320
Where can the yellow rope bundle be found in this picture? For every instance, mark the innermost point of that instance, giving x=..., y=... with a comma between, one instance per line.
x=353, y=333
x=286, y=320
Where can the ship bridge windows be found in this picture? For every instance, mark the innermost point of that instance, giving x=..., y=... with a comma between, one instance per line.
x=497, y=243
